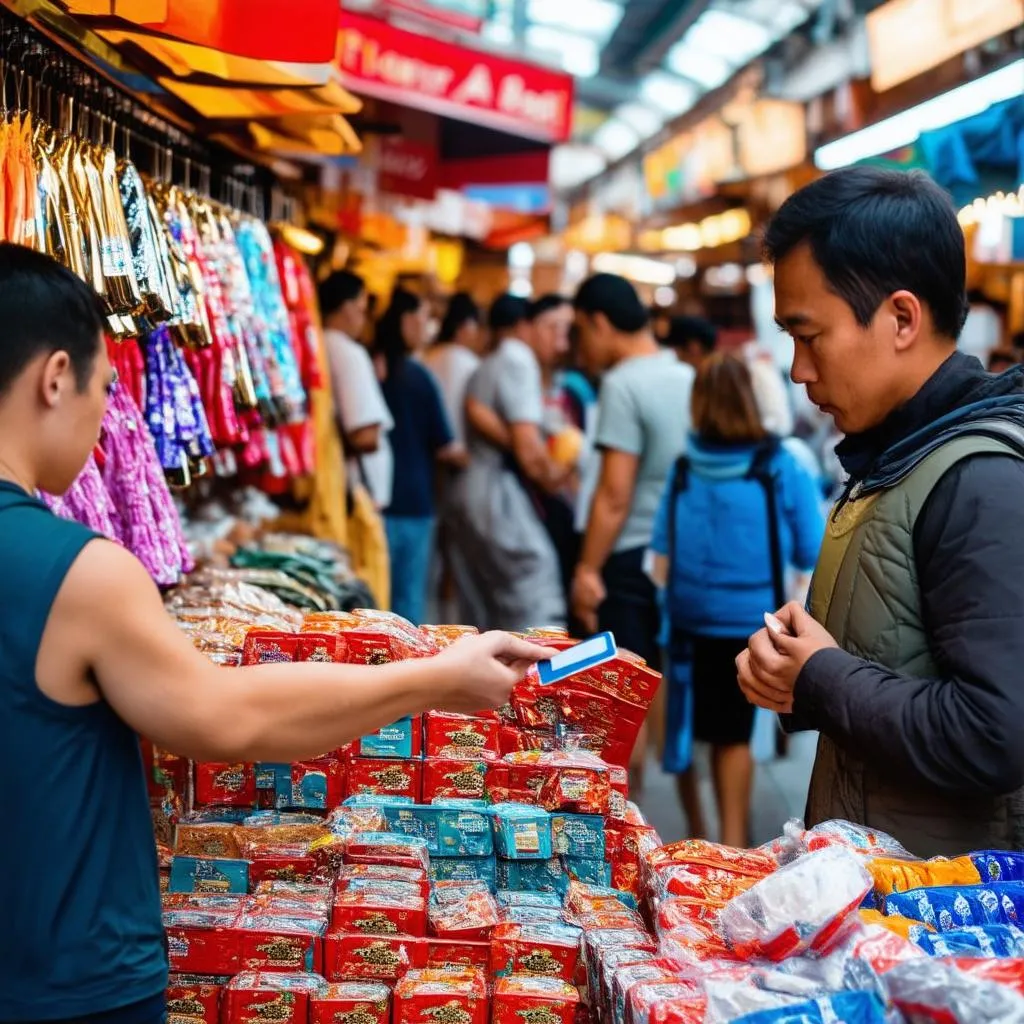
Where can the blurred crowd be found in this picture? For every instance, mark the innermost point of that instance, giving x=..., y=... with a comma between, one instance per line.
x=591, y=463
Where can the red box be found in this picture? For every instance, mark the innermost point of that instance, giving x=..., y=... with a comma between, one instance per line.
x=432, y=994
x=273, y=942
x=269, y=647
x=322, y=647
x=201, y=942
x=387, y=776
x=378, y=914
x=193, y=1000
x=332, y=773
x=280, y=862
x=218, y=784
x=253, y=997
x=351, y=956
x=548, y=949
x=451, y=777
x=384, y=873
x=529, y=997
x=467, y=912
x=458, y=953
x=351, y=1002
x=389, y=848
x=450, y=735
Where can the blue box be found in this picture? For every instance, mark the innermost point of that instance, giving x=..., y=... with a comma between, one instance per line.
x=578, y=835
x=377, y=800
x=394, y=740
x=464, y=869
x=533, y=875
x=589, y=870
x=516, y=898
x=522, y=832
x=209, y=874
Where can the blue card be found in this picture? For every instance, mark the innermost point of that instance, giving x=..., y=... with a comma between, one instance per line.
x=595, y=651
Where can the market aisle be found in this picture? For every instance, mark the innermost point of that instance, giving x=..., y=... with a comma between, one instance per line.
x=780, y=789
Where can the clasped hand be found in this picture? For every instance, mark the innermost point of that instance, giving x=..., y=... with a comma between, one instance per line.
x=770, y=666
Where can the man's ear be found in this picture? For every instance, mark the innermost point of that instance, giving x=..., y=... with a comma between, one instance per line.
x=56, y=378
x=907, y=314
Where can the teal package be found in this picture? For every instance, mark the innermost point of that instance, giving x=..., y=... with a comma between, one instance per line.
x=394, y=740
x=464, y=869
x=414, y=820
x=522, y=832
x=533, y=875
x=377, y=800
x=456, y=831
x=589, y=870
x=267, y=773
x=578, y=835
x=513, y=898
x=209, y=874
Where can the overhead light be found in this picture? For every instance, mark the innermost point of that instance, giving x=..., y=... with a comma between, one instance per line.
x=636, y=268
x=672, y=96
x=664, y=296
x=736, y=39
x=577, y=54
x=905, y=128
x=706, y=69
x=615, y=139
x=597, y=18
x=642, y=119
x=571, y=165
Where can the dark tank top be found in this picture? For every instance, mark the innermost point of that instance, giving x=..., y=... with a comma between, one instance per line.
x=80, y=930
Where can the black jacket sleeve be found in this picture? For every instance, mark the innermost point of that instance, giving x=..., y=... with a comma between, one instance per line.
x=961, y=731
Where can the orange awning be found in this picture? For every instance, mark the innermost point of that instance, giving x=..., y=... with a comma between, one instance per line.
x=309, y=136
x=215, y=102
x=293, y=31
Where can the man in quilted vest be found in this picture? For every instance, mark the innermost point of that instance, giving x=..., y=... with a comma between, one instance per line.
x=909, y=660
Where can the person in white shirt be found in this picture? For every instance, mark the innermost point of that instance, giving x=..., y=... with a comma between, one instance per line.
x=362, y=412
x=456, y=356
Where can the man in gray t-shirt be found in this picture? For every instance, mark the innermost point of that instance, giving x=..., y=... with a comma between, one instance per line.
x=643, y=420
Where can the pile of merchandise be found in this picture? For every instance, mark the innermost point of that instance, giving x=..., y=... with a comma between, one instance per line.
x=478, y=868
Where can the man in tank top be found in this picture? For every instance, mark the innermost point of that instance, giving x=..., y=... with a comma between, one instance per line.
x=89, y=659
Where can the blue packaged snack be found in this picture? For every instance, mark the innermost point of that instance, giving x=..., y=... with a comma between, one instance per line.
x=376, y=800
x=209, y=875
x=533, y=875
x=999, y=865
x=578, y=835
x=521, y=831
x=515, y=898
x=531, y=915
x=848, y=1007
x=449, y=831
x=987, y=940
x=463, y=869
x=949, y=907
x=394, y=740
x=589, y=870
x=414, y=820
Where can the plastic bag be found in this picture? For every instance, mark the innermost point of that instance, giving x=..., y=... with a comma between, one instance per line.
x=949, y=907
x=938, y=992
x=989, y=940
x=842, y=1008
x=803, y=906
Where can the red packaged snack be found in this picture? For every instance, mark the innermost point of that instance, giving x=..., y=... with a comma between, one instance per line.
x=193, y=1000
x=280, y=862
x=316, y=894
x=545, y=948
x=678, y=1003
x=269, y=647
x=351, y=1002
x=534, y=998
x=322, y=647
x=347, y=821
x=451, y=777
x=202, y=941
x=352, y=874
x=456, y=996
x=702, y=853
x=473, y=737
x=318, y=784
x=462, y=912
x=351, y=956
x=387, y=776
x=458, y=953
x=271, y=941
x=253, y=997
x=375, y=913
x=390, y=848
x=577, y=789
x=225, y=785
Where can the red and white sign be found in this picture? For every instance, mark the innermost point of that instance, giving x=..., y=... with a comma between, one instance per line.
x=407, y=168
x=380, y=60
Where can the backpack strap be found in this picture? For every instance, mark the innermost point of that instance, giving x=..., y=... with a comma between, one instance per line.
x=763, y=472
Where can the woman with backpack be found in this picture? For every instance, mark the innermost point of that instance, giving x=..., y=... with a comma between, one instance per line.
x=739, y=512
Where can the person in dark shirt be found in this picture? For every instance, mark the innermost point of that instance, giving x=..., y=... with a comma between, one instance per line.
x=90, y=659
x=422, y=437
x=908, y=660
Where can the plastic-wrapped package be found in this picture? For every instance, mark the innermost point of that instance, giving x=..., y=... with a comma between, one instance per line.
x=552, y=950
x=469, y=869
x=350, y=956
x=682, y=868
x=949, y=907
x=893, y=875
x=255, y=995
x=438, y=995
x=274, y=941
x=379, y=913
x=384, y=872
x=521, y=831
x=797, y=840
x=999, y=865
x=462, y=911
x=842, y=1008
x=667, y=1004
x=449, y=735
x=802, y=906
x=532, y=875
x=584, y=899
x=520, y=998
x=390, y=848
x=194, y=999
x=939, y=992
x=450, y=829
x=358, y=1002
x=989, y=940
x=514, y=898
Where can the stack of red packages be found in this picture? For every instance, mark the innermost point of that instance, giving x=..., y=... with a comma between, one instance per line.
x=449, y=996
x=255, y=996
x=544, y=948
x=352, y=1002
x=524, y=997
x=388, y=908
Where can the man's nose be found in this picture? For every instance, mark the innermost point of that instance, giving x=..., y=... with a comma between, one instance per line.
x=802, y=370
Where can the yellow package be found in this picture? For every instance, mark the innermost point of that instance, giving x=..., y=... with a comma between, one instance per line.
x=892, y=875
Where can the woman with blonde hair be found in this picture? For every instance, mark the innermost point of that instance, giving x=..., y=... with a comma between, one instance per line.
x=738, y=513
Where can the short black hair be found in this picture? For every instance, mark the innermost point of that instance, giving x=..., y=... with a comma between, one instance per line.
x=461, y=310
x=507, y=311
x=684, y=329
x=338, y=288
x=873, y=232
x=546, y=303
x=45, y=308
x=616, y=298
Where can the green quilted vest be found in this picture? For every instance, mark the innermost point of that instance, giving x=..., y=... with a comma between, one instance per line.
x=865, y=592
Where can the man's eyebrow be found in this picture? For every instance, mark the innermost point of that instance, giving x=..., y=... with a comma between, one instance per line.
x=795, y=320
